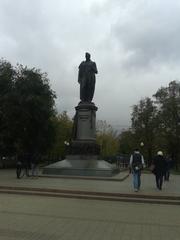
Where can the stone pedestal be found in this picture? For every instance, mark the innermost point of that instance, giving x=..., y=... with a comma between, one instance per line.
x=82, y=158
x=81, y=167
x=86, y=122
x=84, y=131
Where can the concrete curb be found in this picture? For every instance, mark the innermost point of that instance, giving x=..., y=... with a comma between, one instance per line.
x=86, y=178
x=104, y=196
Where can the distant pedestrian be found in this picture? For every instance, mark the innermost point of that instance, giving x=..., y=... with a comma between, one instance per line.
x=118, y=161
x=21, y=166
x=27, y=163
x=136, y=165
x=159, y=168
x=34, y=166
x=169, y=164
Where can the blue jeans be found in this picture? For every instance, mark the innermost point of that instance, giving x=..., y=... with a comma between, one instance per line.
x=137, y=179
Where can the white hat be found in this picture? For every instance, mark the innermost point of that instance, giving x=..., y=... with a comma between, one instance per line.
x=160, y=153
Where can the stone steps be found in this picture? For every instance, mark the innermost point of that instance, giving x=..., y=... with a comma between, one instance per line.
x=110, y=179
x=105, y=196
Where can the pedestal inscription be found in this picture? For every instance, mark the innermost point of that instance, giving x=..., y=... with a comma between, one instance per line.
x=86, y=117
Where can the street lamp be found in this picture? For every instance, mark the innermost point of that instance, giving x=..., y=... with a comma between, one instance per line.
x=142, y=144
x=66, y=143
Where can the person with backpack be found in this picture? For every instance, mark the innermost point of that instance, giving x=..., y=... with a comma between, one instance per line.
x=136, y=165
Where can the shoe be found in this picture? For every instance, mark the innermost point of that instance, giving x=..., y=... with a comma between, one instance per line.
x=136, y=190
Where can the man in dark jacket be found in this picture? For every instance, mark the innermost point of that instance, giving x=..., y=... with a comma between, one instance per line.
x=159, y=168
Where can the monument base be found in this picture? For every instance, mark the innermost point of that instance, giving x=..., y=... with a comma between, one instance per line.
x=78, y=147
x=81, y=167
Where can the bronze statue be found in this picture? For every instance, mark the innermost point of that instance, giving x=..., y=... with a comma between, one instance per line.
x=87, y=79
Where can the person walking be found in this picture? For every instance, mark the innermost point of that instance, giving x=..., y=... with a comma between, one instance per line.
x=136, y=165
x=34, y=165
x=159, y=169
x=169, y=165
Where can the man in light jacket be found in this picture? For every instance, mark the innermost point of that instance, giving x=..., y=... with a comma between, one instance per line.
x=136, y=165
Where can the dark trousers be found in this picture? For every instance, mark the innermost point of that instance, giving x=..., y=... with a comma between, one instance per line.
x=166, y=176
x=159, y=180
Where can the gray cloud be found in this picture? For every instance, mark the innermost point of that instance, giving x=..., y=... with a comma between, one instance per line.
x=134, y=43
x=150, y=34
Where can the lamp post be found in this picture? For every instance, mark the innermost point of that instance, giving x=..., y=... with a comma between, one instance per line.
x=142, y=145
x=66, y=143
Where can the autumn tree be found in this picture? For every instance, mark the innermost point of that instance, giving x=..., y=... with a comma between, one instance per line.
x=168, y=102
x=127, y=141
x=26, y=109
x=107, y=138
x=63, y=125
x=7, y=74
x=144, y=124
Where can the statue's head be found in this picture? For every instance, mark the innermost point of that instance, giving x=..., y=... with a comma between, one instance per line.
x=88, y=56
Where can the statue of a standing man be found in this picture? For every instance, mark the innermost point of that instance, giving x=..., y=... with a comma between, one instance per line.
x=87, y=79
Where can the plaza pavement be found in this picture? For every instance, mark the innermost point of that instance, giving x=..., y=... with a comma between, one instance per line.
x=117, y=185
x=46, y=217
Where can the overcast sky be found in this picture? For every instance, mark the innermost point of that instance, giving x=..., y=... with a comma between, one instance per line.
x=135, y=45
